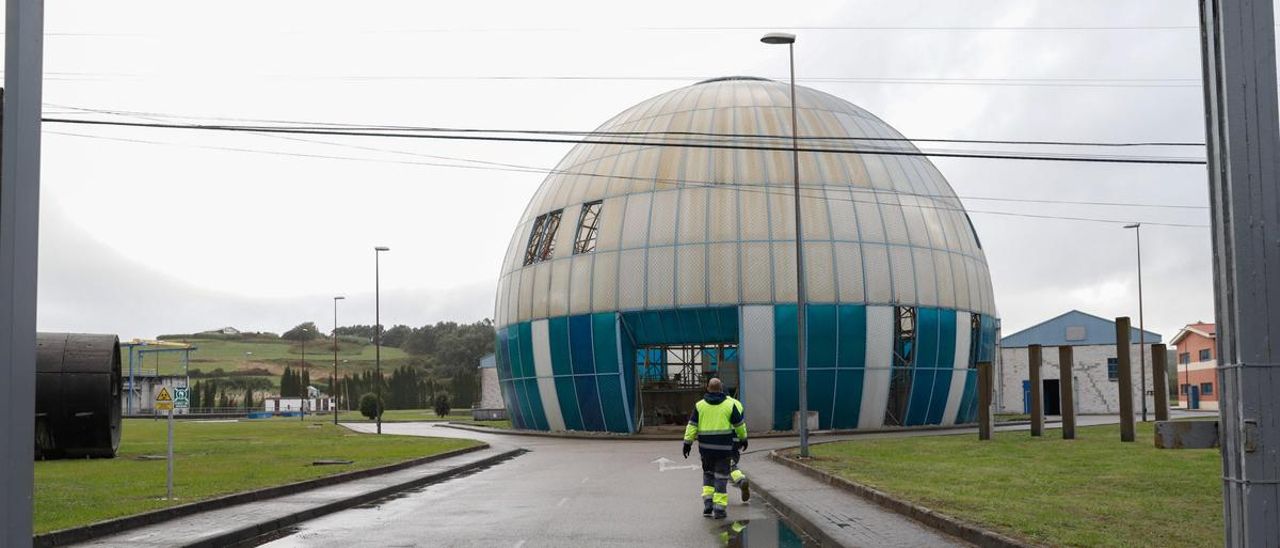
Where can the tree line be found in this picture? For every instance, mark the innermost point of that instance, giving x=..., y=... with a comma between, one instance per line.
x=442, y=358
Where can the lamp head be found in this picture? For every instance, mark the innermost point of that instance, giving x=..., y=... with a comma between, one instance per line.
x=1134, y=225
x=382, y=248
x=339, y=298
x=778, y=38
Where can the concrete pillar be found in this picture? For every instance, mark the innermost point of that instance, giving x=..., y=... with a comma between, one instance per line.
x=1037, y=390
x=1066, y=396
x=1125, y=370
x=1160, y=379
x=985, y=424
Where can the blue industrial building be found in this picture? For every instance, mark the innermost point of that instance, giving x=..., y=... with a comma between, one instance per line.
x=638, y=271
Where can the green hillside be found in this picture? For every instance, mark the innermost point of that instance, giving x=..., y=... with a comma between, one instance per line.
x=264, y=357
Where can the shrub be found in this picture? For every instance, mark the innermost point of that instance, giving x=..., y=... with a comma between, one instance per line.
x=442, y=404
x=370, y=407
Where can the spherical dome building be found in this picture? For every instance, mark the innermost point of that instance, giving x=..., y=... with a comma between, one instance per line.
x=639, y=270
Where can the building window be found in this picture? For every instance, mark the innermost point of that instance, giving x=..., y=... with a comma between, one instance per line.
x=1183, y=388
x=1204, y=355
x=588, y=225
x=1206, y=389
x=1113, y=369
x=1184, y=358
x=542, y=239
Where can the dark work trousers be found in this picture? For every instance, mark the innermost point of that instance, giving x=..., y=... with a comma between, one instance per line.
x=715, y=479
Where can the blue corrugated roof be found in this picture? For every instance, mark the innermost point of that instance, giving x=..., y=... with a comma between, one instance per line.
x=488, y=361
x=1053, y=332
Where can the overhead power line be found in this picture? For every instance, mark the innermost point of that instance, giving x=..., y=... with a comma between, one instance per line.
x=943, y=81
x=163, y=117
x=737, y=187
x=335, y=131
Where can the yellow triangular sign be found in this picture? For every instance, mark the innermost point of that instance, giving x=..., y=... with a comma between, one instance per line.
x=163, y=395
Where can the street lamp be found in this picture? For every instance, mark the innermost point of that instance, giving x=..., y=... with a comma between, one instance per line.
x=377, y=331
x=801, y=353
x=302, y=404
x=333, y=386
x=1142, y=330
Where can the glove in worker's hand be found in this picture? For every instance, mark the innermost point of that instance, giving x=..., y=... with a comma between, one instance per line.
x=742, y=445
x=685, y=449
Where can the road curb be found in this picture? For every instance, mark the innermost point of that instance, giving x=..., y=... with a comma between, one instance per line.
x=112, y=526
x=960, y=529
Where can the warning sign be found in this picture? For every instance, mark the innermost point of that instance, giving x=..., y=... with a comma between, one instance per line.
x=164, y=401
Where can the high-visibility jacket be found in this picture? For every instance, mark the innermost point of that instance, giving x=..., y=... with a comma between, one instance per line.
x=716, y=422
x=738, y=404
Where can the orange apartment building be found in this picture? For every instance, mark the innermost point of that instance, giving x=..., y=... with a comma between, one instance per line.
x=1196, y=347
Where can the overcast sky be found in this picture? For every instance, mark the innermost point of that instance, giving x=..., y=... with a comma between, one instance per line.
x=147, y=231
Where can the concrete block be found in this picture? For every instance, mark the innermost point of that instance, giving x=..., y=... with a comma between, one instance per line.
x=1186, y=434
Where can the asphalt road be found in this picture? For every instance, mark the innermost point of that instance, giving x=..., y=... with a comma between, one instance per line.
x=562, y=493
x=568, y=492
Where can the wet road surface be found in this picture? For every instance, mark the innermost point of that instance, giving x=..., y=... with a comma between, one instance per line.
x=562, y=492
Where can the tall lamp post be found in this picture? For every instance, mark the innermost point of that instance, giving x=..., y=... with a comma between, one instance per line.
x=333, y=386
x=377, y=330
x=1142, y=328
x=801, y=352
x=306, y=392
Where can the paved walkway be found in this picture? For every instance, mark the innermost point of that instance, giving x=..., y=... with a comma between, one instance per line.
x=571, y=492
x=847, y=519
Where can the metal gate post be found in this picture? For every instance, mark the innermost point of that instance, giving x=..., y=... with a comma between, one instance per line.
x=19, y=225
x=1243, y=140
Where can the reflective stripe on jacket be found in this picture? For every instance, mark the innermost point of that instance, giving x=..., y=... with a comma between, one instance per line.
x=716, y=422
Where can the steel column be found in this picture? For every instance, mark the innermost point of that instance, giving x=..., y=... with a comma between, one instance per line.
x=1243, y=138
x=19, y=225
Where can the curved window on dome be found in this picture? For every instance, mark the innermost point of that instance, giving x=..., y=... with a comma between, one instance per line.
x=542, y=239
x=584, y=241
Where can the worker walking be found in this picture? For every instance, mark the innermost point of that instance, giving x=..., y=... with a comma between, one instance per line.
x=716, y=422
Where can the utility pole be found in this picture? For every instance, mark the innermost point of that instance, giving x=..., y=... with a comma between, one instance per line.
x=19, y=241
x=1242, y=134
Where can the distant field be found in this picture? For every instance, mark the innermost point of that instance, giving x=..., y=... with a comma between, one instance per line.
x=271, y=356
x=211, y=459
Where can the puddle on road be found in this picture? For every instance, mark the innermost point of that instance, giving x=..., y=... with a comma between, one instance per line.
x=760, y=533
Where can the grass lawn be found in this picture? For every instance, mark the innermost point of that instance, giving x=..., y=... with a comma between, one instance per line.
x=1001, y=417
x=1092, y=491
x=212, y=458
x=400, y=415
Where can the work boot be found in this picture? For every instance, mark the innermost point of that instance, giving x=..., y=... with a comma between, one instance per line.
x=718, y=514
x=706, y=508
x=745, y=486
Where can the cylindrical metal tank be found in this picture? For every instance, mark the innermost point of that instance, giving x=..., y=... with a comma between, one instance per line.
x=78, y=391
